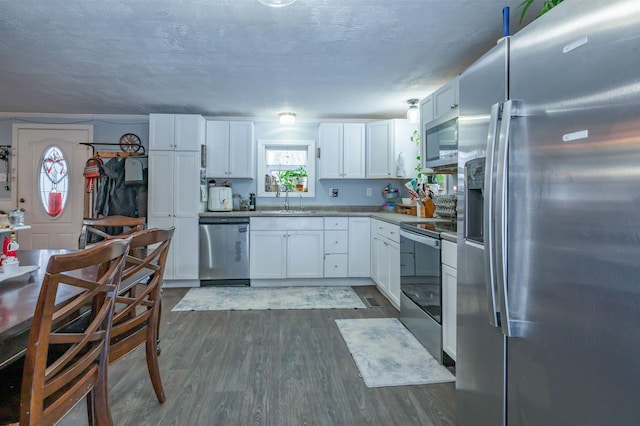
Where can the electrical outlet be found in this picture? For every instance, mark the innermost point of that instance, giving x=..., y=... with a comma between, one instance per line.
x=334, y=192
x=3, y=177
x=368, y=192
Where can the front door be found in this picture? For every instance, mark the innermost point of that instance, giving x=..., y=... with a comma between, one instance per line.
x=50, y=166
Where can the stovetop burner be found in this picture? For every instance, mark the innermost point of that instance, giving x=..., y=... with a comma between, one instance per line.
x=431, y=229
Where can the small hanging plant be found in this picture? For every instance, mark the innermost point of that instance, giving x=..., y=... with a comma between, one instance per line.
x=547, y=6
x=415, y=138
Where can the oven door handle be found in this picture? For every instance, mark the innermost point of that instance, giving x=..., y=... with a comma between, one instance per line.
x=428, y=241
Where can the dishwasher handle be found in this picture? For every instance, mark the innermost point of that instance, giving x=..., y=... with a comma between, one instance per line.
x=208, y=220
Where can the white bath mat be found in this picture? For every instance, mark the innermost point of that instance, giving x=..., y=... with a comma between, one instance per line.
x=387, y=354
x=247, y=298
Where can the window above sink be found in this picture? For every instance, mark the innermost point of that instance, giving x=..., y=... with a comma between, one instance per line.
x=287, y=162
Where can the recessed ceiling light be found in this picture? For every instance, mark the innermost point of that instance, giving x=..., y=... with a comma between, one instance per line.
x=277, y=3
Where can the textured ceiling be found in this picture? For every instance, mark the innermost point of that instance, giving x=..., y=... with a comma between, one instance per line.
x=318, y=58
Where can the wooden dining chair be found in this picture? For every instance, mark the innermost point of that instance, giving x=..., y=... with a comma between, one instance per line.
x=139, y=305
x=61, y=366
x=108, y=227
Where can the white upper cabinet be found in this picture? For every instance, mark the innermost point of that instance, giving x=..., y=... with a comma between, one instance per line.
x=385, y=141
x=445, y=99
x=342, y=150
x=379, y=149
x=230, y=149
x=427, y=113
x=176, y=132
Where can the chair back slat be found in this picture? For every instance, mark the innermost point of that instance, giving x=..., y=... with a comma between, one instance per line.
x=61, y=368
x=108, y=227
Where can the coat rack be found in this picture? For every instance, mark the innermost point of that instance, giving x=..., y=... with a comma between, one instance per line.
x=89, y=196
x=112, y=154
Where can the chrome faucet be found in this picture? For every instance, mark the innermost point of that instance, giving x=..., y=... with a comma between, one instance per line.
x=300, y=201
x=286, y=197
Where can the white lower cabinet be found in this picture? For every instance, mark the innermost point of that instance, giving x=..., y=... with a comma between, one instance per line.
x=286, y=248
x=359, y=257
x=385, y=255
x=268, y=254
x=335, y=265
x=449, y=297
x=336, y=246
x=304, y=254
x=311, y=247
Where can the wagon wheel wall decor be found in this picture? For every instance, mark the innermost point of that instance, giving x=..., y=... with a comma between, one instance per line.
x=130, y=143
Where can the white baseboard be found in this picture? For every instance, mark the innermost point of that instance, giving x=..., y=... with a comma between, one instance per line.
x=180, y=283
x=336, y=282
x=312, y=282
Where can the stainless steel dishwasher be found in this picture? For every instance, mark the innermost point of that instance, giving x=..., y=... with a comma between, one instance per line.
x=224, y=251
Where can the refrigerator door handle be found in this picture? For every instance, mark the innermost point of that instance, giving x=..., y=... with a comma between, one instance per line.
x=488, y=225
x=501, y=215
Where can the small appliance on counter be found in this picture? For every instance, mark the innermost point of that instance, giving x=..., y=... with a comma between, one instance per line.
x=220, y=199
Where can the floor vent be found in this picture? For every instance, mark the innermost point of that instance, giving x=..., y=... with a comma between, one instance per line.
x=373, y=303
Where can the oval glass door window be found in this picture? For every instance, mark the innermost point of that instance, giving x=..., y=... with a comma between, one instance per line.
x=53, y=180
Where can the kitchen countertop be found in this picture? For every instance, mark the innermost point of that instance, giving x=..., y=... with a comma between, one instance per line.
x=449, y=236
x=394, y=218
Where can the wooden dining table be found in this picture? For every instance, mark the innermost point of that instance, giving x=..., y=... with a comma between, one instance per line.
x=19, y=295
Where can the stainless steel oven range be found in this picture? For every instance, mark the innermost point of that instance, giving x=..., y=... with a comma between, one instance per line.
x=421, y=284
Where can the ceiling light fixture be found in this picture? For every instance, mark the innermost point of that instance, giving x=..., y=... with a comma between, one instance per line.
x=277, y=3
x=413, y=114
x=287, y=118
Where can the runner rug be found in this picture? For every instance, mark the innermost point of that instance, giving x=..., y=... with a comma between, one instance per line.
x=254, y=298
x=387, y=354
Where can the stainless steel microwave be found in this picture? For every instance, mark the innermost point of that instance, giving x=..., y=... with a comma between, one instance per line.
x=440, y=136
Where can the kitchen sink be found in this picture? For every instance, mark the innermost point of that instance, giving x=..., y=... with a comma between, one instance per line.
x=288, y=212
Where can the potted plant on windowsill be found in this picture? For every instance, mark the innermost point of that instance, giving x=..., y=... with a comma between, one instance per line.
x=293, y=178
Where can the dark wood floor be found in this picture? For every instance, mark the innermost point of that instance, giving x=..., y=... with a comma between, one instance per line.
x=281, y=367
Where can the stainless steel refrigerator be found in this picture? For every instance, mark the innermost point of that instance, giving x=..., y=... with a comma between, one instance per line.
x=549, y=223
